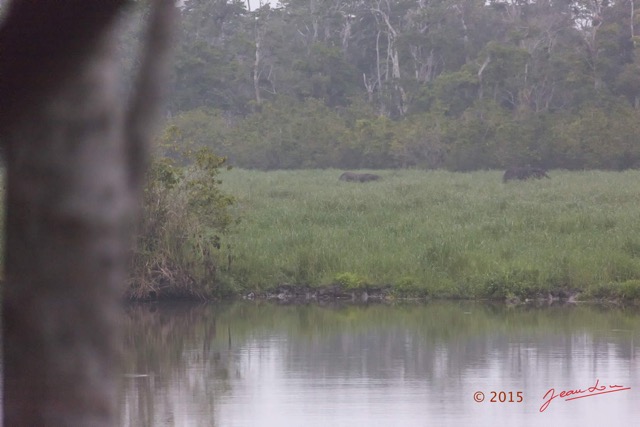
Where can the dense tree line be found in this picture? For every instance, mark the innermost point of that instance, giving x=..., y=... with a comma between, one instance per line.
x=410, y=83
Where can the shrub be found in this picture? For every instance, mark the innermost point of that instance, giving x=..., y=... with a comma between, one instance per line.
x=350, y=280
x=179, y=247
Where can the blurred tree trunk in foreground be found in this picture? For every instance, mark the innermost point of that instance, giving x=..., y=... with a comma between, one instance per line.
x=75, y=160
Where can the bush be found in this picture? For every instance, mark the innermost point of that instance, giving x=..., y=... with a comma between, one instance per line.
x=350, y=280
x=179, y=247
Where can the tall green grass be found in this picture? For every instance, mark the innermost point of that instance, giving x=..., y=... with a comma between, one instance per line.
x=439, y=233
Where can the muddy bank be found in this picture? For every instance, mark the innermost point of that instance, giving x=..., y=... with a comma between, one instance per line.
x=304, y=293
x=295, y=294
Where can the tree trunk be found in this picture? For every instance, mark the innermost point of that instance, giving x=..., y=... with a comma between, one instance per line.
x=256, y=67
x=75, y=157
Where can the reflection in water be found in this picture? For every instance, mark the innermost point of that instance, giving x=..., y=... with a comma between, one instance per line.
x=259, y=364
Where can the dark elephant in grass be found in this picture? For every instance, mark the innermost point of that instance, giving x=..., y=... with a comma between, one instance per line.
x=524, y=173
x=359, y=177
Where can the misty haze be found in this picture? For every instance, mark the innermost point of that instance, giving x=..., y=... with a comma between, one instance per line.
x=353, y=213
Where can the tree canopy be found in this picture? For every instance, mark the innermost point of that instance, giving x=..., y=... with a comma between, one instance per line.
x=429, y=83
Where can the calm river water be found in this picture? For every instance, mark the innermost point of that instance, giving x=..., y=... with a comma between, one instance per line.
x=261, y=364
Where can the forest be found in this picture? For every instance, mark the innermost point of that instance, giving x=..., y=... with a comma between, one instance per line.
x=451, y=84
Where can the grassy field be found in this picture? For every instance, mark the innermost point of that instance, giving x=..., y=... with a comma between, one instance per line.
x=443, y=234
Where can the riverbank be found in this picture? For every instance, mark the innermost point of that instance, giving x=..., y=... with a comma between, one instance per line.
x=304, y=294
x=435, y=234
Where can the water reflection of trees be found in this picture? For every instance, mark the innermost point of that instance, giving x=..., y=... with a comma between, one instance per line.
x=171, y=361
x=436, y=340
x=194, y=355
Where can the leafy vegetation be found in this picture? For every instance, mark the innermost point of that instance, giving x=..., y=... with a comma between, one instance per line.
x=461, y=85
x=403, y=86
x=179, y=249
x=441, y=234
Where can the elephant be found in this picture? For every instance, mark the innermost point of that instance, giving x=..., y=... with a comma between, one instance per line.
x=359, y=177
x=524, y=173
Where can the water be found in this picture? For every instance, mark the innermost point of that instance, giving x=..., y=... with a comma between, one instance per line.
x=260, y=364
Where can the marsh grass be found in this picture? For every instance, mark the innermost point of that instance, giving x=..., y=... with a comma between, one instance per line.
x=457, y=235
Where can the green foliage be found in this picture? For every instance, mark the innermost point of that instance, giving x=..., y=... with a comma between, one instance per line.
x=437, y=233
x=202, y=127
x=350, y=280
x=419, y=142
x=463, y=86
x=370, y=139
x=326, y=75
x=456, y=85
x=628, y=290
x=505, y=73
x=596, y=137
x=211, y=65
x=516, y=283
x=287, y=135
x=455, y=92
x=205, y=200
x=180, y=250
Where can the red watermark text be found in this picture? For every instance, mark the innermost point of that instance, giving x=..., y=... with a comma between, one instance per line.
x=594, y=390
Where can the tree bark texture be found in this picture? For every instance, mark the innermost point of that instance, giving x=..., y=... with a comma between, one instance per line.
x=75, y=154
